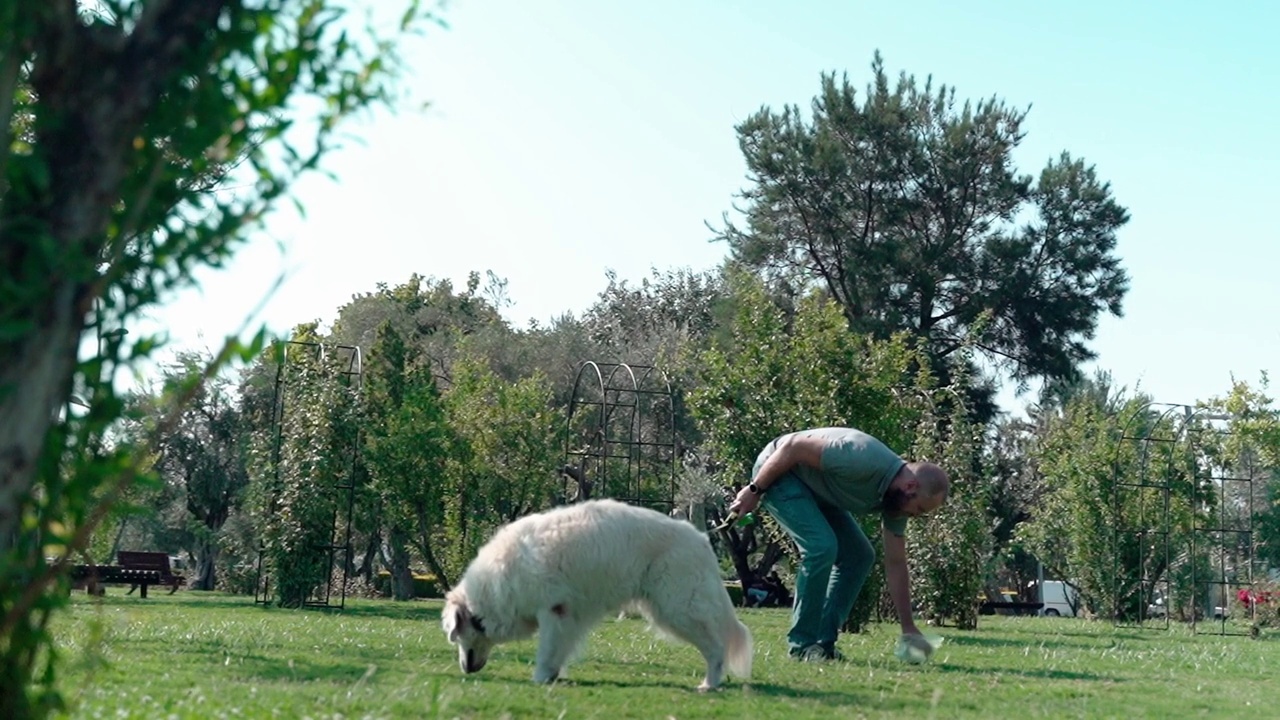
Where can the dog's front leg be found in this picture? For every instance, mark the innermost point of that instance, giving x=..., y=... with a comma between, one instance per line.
x=550, y=635
x=559, y=633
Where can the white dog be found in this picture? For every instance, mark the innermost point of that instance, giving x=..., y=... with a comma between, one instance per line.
x=560, y=572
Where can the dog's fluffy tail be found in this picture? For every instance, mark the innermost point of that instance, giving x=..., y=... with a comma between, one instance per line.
x=738, y=650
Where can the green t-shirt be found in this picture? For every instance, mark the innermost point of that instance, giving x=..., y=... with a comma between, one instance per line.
x=856, y=471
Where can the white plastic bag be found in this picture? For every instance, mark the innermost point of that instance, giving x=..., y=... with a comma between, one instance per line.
x=907, y=652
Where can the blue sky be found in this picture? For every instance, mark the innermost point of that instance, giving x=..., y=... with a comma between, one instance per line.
x=565, y=138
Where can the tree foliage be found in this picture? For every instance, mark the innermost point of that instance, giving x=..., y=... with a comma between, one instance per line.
x=406, y=446
x=429, y=314
x=779, y=373
x=204, y=461
x=951, y=548
x=904, y=206
x=1247, y=458
x=656, y=317
x=1106, y=458
x=505, y=464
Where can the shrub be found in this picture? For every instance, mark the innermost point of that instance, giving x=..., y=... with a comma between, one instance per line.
x=424, y=586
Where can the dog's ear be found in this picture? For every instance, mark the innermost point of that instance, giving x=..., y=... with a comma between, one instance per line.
x=454, y=619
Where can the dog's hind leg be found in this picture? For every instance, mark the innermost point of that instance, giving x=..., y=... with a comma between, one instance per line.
x=560, y=633
x=691, y=623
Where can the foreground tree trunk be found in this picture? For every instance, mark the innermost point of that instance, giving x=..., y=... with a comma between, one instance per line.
x=116, y=119
x=95, y=87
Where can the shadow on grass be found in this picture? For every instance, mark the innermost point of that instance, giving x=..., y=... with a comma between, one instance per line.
x=771, y=690
x=689, y=685
x=669, y=683
x=271, y=660
x=163, y=603
x=354, y=607
x=833, y=697
x=1051, y=641
x=418, y=611
x=1096, y=632
x=220, y=601
x=1103, y=635
x=272, y=669
x=1022, y=672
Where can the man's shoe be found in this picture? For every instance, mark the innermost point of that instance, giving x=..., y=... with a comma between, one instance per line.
x=812, y=653
x=817, y=653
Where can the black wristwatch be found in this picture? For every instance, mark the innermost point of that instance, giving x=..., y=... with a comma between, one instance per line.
x=754, y=488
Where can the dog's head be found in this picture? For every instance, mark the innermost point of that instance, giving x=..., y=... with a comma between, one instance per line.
x=466, y=630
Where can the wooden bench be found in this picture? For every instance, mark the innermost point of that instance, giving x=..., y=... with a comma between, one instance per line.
x=149, y=562
x=1009, y=608
x=136, y=569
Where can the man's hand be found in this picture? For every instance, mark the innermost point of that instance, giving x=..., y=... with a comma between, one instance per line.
x=918, y=642
x=916, y=648
x=745, y=502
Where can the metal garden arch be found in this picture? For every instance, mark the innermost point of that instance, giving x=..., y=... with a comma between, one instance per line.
x=349, y=360
x=1172, y=435
x=620, y=434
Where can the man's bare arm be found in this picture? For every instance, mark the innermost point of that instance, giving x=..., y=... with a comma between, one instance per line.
x=898, y=579
x=794, y=450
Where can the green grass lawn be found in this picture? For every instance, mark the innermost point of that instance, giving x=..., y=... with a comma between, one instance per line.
x=200, y=655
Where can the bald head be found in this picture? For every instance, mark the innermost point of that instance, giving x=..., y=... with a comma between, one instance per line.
x=932, y=484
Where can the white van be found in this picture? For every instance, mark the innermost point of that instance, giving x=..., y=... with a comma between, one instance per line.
x=1059, y=598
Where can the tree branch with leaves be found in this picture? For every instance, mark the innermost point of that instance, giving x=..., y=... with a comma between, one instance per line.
x=108, y=115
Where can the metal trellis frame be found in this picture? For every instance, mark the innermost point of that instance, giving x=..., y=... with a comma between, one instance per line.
x=1170, y=449
x=620, y=433
x=1218, y=531
x=338, y=550
x=1145, y=534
